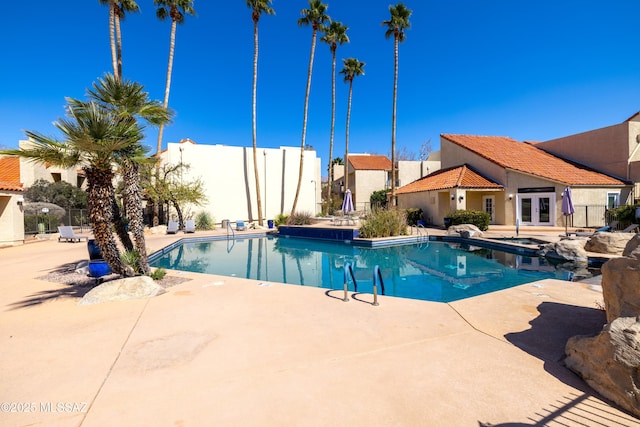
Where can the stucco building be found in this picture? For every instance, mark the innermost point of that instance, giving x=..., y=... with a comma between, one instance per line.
x=11, y=202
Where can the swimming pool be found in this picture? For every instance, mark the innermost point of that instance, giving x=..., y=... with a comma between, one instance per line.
x=432, y=271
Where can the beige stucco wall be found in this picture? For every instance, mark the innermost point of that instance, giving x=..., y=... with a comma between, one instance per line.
x=364, y=184
x=229, y=179
x=410, y=170
x=606, y=149
x=11, y=219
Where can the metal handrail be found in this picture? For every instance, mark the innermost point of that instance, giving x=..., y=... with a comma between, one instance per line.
x=233, y=234
x=348, y=270
x=377, y=275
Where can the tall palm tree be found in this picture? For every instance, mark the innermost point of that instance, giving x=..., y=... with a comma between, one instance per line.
x=316, y=17
x=352, y=68
x=127, y=102
x=258, y=7
x=396, y=26
x=117, y=9
x=120, y=7
x=334, y=34
x=176, y=10
x=91, y=139
x=112, y=33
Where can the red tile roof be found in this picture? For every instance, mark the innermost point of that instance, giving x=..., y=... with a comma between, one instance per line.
x=372, y=162
x=511, y=154
x=10, y=174
x=458, y=176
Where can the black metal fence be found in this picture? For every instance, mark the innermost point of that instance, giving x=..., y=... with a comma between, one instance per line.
x=43, y=223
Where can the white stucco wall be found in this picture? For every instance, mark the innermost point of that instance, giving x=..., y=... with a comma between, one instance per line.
x=229, y=179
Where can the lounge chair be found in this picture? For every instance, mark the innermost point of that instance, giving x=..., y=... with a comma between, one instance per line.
x=67, y=234
x=633, y=228
x=240, y=226
x=172, y=227
x=190, y=226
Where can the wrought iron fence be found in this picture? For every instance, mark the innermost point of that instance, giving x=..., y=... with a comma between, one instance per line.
x=43, y=223
x=593, y=216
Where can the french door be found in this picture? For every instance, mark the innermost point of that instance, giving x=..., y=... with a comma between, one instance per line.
x=536, y=209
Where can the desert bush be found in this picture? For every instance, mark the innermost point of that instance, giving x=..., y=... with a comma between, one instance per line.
x=132, y=259
x=281, y=219
x=300, y=218
x=384, y=223
x=478, y=218
x=204, y=221
x=626, y=215
x=158, y=273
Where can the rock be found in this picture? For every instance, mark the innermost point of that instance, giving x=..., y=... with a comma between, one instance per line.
x=158, y=229
x=123, y=289
x=608, y=243
x=468, y=230
x=610, y=361
x=632, y=250
x=620, y=290
x=566, y=250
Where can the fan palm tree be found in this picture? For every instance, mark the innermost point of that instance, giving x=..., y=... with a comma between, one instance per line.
x=258, y=7
x=397, y=24
x=176, y=10
x=91, y=140
x=352, y=68
x=334, y=34
x=315, y=16
x=127, y=102
x=117, y=9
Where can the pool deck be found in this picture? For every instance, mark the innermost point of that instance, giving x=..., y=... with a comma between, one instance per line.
x=232, y=352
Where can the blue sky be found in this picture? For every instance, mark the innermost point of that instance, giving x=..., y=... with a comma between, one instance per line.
x=528, y=70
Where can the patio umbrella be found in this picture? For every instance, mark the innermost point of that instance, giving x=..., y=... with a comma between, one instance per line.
x=567, y=207
x=347, y=203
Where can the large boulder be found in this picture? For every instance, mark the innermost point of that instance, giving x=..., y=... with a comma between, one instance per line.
x=123, y=289
x=620, y=290
x=565, y=250
x=610, y=361
x=632, y=250
x=464, y=230
x=608, y=243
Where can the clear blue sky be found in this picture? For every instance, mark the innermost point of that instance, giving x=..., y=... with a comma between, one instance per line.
x=531, y=70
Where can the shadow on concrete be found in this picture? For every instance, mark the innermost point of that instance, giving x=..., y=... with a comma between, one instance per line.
x=71, y=284
x=546, y=340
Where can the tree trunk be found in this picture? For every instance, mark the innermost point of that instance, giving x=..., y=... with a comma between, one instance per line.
x=333, y=126
x=133, y=210
x=255, y=91
x=165, y=104
x=100, y=195
x=118, y=75
x=393, y=123
x=304, y=121
x=120, y=227
x=346, y=145
x=112, y=38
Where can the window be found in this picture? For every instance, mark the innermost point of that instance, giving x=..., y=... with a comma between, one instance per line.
x=613, y=200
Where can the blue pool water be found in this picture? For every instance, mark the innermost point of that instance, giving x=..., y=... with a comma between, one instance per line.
x=432, y=271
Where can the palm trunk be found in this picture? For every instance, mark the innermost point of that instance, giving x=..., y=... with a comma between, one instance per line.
x=393, y=124
x=133, y=203
x=304, y=122
x=112, y=38
x=255, y=91
x=120, y=227
x=333, y=125
x=100, y=195
x=118, y=74
x=165, y=104
x=346, y=145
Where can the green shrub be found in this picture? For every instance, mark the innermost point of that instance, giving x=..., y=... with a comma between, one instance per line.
x=132, y=259
x=281, y=219
x=158, y=273
x=379, y=198
x=478, y=218
x=414, y=215
x=204, y=221
x=626, y=215
x=300, y=218
x=384, y=223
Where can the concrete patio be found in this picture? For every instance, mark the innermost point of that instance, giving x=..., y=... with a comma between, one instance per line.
x=227, y=351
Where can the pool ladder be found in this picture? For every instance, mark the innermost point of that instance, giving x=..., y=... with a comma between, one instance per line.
x=233, y=235
x=423, y=235
x=377, y=276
